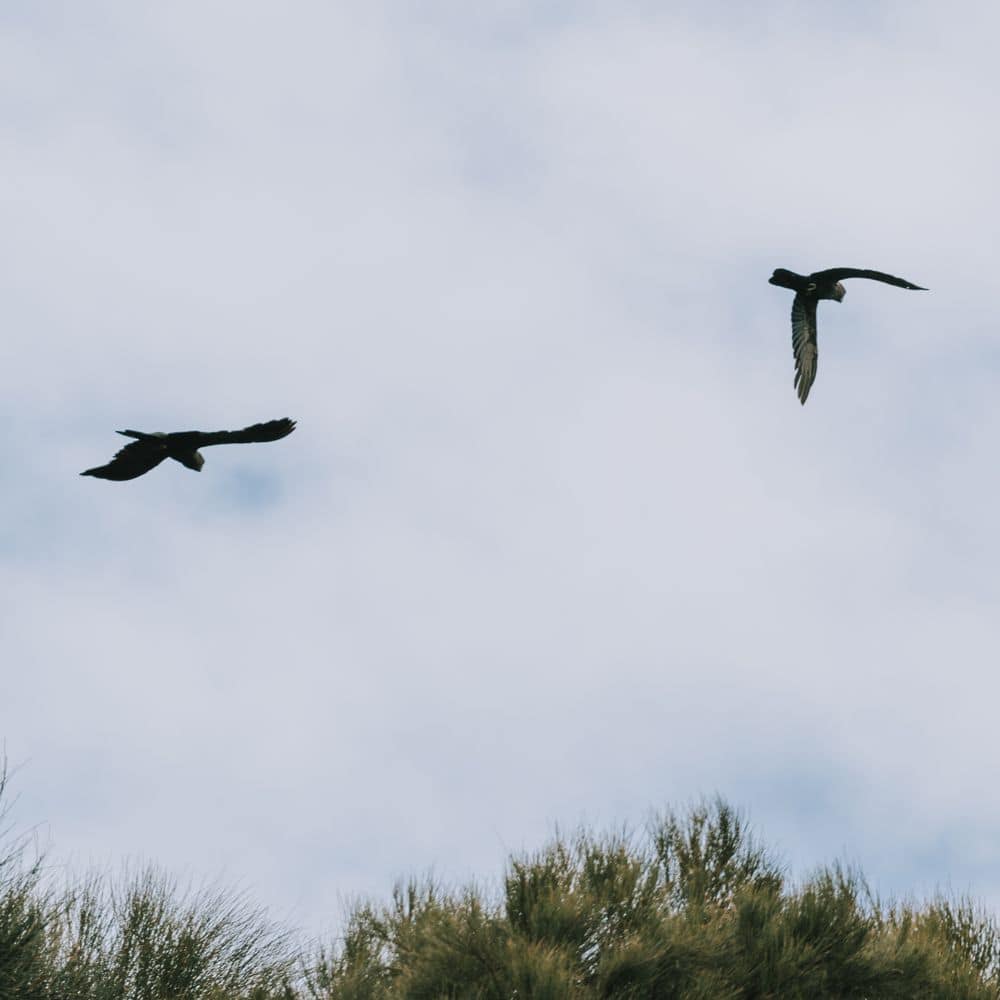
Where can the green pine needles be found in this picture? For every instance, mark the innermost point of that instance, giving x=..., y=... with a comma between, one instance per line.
x=695, y=909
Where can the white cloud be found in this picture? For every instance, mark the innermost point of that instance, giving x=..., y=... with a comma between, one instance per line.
x=554, y=538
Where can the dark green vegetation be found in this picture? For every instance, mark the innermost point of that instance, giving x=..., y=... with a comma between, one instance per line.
x=696, y=909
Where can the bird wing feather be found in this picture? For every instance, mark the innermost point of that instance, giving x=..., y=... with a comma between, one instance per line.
x=271, y=430
x=134, y=460
x=840, y=273
x=804, y=345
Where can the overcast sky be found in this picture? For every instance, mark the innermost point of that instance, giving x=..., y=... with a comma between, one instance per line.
x=554, y=540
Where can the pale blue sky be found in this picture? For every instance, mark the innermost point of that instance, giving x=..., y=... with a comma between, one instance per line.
x=554, y=540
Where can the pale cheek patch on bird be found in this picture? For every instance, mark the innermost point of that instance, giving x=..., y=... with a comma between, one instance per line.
x=148, y=450
x=809, y=289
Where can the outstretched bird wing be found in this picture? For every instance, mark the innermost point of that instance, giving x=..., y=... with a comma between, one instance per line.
x=132, y=461
x=804, y=344
x=840, y=273
x=784, y=278
x=272, y=430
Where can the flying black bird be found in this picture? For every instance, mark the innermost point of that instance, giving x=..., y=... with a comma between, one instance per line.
x=148, y=450
x=809, y=289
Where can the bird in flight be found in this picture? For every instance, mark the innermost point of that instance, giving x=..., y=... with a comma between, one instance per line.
x=148, y=450
x=809, y=289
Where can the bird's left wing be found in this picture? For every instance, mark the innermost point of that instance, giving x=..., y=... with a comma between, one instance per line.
x=804, y=345
x=272, y=430
x=132, y=461
x=840, y=273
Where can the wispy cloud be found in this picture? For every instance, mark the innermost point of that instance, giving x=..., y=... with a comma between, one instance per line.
x=554, y=538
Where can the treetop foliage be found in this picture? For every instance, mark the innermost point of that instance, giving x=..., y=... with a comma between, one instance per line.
x=696, y=909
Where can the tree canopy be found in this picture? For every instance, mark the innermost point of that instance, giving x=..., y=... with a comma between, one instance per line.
x=695, y=908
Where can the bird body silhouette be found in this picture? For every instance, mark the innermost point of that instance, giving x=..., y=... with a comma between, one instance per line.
x=148, y=450
x=809, y=289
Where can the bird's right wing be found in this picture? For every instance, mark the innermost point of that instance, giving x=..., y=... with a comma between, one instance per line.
x=272, y=430
x=804, y=345
x=132, y=461
x=840, y=273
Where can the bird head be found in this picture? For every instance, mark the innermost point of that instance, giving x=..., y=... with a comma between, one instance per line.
x=839, y=291
x=192, y=460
